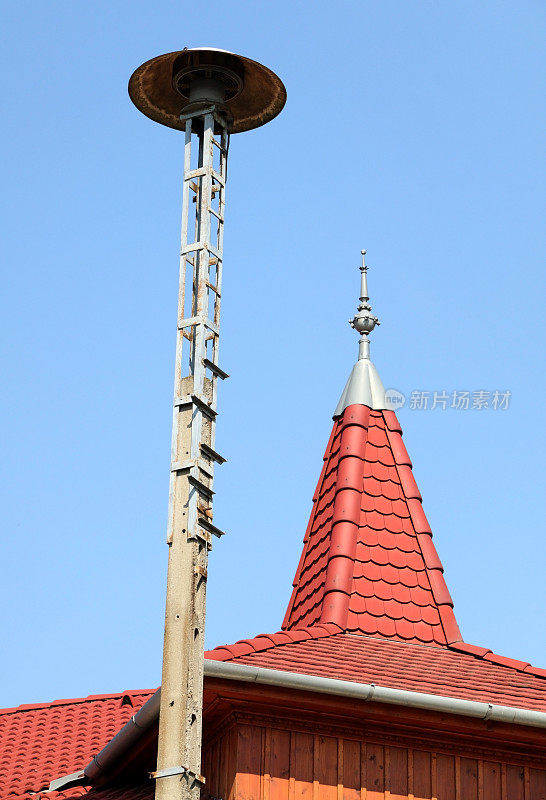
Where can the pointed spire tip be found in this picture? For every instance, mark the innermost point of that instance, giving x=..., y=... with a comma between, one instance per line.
x=364, y=321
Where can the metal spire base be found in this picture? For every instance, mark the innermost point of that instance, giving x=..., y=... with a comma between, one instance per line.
x=364, y=386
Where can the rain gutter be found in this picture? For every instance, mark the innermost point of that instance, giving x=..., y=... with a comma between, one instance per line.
x=379, y=694
x=97, y=770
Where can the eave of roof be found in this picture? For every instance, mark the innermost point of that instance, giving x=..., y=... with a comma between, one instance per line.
x=368, y=692
x=460, y=671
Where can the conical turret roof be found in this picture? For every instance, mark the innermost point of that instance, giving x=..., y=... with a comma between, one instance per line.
x=368, y=562
x=369, y=601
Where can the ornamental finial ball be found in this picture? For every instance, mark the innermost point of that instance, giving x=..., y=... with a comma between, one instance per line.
x=364, y=322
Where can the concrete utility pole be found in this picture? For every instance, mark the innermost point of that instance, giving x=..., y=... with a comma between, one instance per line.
x=208, y=94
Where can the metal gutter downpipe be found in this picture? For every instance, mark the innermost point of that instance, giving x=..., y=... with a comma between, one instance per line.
x=95, y=772
x=124, y=740
x=105, y=762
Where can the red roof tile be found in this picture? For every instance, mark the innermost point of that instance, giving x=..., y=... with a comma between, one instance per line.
x=368, y=530
x=41, y=742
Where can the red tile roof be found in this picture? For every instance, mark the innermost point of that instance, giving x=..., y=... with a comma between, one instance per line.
x=326, y=651
x=41, y=742
x=368, y=561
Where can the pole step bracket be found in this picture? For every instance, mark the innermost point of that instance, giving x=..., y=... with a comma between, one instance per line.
x=208, y=526
x=195, y=400
x=170, y=772
x=215, y=368
x=208, y=452
x=201, y=487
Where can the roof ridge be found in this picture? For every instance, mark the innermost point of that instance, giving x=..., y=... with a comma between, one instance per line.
x=266, y=641
x=484, y=654
x=339, y=577
x=74, y=701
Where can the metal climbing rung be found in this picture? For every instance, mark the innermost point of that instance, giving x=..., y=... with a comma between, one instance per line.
x=194, y=400
x=208, y=526
x=208, y=452
x=215, y=369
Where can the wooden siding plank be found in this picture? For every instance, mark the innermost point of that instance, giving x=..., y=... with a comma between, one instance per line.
x=515, y=789
x=222, y=782
x=249, y=766
x=398, y=773
x=216, y=766
x=458, y=778
x=351, y=770
x=231, y=765
x=445, y=776
x=375, y=772
x=422, y=775
x=537, y=784
x=302, y=770
x=327, y=768
x=339, y=769
x=469, y=779
x=205, y=768
x=363, y=772
x=211, y=769
x=291, y=779
x=316, y=757
x=492, y=789
x=503, y=782
x=266, y=779
x=434, y=775
x=410, y=773
x=280, y=764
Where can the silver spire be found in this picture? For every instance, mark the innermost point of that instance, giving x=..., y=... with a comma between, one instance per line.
x=364, y=386
x=364, y=321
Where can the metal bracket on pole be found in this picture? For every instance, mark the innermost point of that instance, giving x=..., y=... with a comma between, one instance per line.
x=212, y=454
x=208, y=526
x=170, y=772
x=214, y=368
x=194, y=399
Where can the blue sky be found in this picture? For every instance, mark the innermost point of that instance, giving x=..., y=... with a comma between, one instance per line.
x=411, y=129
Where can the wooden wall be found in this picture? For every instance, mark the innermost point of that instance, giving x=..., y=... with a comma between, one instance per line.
x=250, y=761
